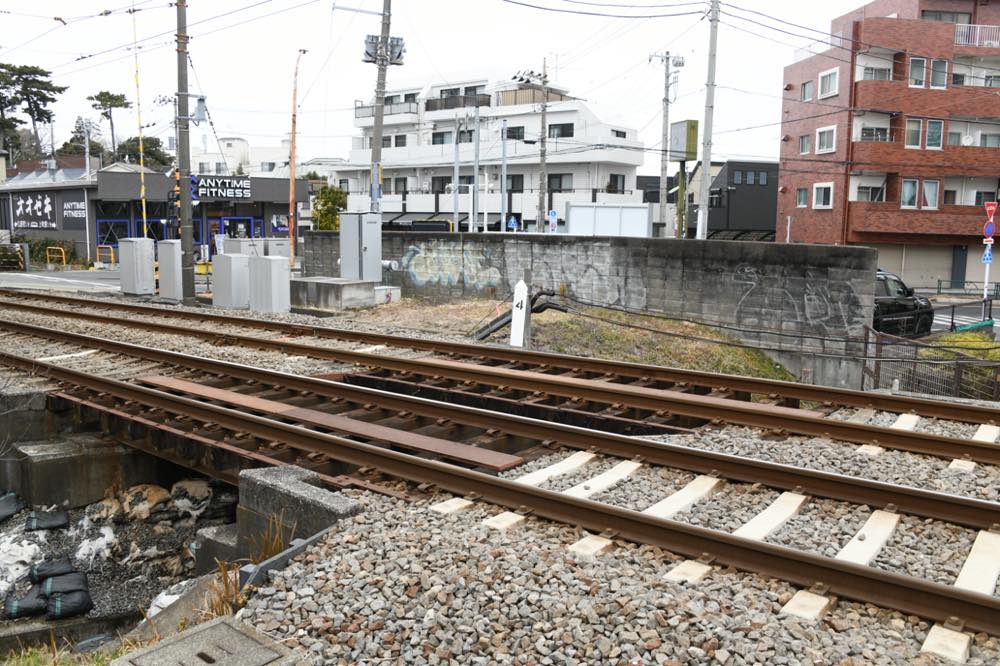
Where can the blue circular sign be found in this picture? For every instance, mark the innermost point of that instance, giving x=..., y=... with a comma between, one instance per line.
x=988, y=230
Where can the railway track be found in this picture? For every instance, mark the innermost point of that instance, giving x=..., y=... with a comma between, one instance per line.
x=604, y=400
x=235, y=411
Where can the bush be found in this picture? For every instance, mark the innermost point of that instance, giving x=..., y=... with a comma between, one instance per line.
x=36, y=247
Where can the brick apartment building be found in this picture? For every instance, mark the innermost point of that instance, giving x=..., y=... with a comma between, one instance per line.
x=891, y=137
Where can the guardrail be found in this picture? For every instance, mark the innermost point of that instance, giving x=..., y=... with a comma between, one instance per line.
x=967, y=288
x=105, y=250
x=53, y=252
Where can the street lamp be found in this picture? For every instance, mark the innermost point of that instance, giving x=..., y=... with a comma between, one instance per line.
x=291, y=164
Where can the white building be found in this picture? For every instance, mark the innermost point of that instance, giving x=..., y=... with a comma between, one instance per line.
x=233, y=154
x=587, y=160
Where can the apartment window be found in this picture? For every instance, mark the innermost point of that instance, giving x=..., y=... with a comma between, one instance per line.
x=823, y=195
x=440, y=183
x=387, y=186
x=908, y=198
x=715, y=198
x=805, y=144
x=202, y=167
x=751, y=177
x=829, y=82
x=515, y=183
x=618, y=134
x=874, y=133
x=410, y=97
x=400, y=140
x=939, y=74
x=935, y=134
x=387, y=141
x=267, y=166
x=560, y=130
x=877, y=74
x=466, y=136
x=616, y=183
x=957, y=79
x=516, y=133
x=914, y=127
x=737, y=177
x=220, y=168
x=806, y=94
x=391, y=99
x=560, y=182
x=983, y=197
x=762, y=178
x=450, y=92
x=871, y=193
x=946, y=17
x=802, y=197
x=918, y=74
x=991, y=81
x=344, y=184
x=826, y=139
x=931, y=193
x=441, y=138
x=989, y=140
x=950, y=197
x=954, y=138
x=400, y=185
x=467, y=180
x=474, y=90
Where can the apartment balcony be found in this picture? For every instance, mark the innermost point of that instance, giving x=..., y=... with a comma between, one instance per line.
x=889, y=218
x=456, y=102
x=394, y=114
x=898, y=97
x=982, y=36
x=876, y=155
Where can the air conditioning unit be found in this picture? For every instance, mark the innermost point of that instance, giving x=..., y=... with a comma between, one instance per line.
x=447, y=188
x=968, y=140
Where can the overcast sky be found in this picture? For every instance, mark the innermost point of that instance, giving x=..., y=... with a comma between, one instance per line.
x=244, y=51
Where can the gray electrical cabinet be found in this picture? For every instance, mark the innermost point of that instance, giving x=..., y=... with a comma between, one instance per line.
x=361, y=246
x=135, y=258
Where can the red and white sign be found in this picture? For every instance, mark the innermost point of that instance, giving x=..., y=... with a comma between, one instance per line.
x=987, y=241
x=991, y=209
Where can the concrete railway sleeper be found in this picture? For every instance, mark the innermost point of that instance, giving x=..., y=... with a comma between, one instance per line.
x=787, y=392
x=973, y=610
x=916, y=501
x=770, y=417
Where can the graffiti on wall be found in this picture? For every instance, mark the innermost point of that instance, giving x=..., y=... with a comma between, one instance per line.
x=816, y=306
x=432, y=263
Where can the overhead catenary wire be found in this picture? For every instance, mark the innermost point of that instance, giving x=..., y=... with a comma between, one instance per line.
x=602, y=14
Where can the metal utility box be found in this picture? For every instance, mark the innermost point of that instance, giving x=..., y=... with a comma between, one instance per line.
x=231, y=275
x=135, y=259
x=361, y=246
x=278, y=247
x=270, y=289
x=171, y=287
x=251, y=247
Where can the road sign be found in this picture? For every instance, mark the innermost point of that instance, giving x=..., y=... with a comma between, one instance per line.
x=988, y=255
x=553, y=221
x=991, y=208
x=988, y=229
x=987, y=241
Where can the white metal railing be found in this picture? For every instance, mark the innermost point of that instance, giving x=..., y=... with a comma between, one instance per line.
x=977, y=35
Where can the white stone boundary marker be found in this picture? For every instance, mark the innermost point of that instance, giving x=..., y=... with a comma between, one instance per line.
x=62, y=357
x=771, y=518
x=698, y=489
x=978, y=574
x=870, y=539
x=518, y=313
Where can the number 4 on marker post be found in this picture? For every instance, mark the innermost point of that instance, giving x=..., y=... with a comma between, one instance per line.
x=517, y=318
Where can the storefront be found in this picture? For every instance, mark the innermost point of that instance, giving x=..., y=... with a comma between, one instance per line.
x=107, y=208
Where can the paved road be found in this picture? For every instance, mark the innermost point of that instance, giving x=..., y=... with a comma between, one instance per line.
x=965, y=314
x=88, y=281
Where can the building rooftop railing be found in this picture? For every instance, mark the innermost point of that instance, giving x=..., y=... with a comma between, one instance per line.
x=368, y=111
x=987, y=36
x=456, y=102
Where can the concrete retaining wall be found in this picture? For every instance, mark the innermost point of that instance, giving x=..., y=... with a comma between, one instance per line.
x=789, y=291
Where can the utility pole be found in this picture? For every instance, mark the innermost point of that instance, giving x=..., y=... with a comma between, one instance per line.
x=382, y=60
x=475, y=176
x=706, y=144
x=291, y=165
x=455, y=173
x=542, y=177
x=682, y=200
x=184, y=157
x=665, y=144
x=86, y=175
x=503, y=175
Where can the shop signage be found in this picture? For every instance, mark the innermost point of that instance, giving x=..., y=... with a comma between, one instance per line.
x=34, y=211
x=224, y=187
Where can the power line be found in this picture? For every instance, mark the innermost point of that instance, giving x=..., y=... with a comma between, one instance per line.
x=586, y=13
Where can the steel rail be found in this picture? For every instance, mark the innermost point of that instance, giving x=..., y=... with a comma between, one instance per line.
x=791, y=420
x=820, y=394
x=916, y=501
x=978, y=612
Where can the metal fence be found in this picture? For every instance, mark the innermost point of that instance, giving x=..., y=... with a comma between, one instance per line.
x=966, y=288
x=908, y=365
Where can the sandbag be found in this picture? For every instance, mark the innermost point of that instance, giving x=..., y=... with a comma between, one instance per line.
x=10, y=504
x=46, y=520
x=71, y=582
x=68, y=604
x=49, y=568
x=32, y=603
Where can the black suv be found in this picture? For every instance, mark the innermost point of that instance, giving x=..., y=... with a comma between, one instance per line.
x=897, y=310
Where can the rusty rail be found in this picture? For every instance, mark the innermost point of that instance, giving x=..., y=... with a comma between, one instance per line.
x=936, y=601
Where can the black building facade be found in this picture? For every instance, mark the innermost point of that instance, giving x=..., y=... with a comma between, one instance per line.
x=743, y=202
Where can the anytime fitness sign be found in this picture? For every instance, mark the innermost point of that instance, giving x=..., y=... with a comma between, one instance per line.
x=224, y=187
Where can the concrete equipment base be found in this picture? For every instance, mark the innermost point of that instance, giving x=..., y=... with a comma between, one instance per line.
x=327, y=293
x=24, y=416
x=215, y=544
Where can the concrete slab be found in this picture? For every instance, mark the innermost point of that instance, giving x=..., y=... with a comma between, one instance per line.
x=806, y=606
x=982, y=566
x=870, y=450
x=504, y=521
x=700, y=488
x=960, y=465
x=771, y=518
x=906, y=422
x=591, y=546
x=215, y=544
x=564, y=466
x=450, y=506
x=947, y=644
x=870, y=539
x=224, y=641
x=987, y=433
x=688, y=571
x=603, y=481
x=329, y=293
x=862, y=415
x=385, y=294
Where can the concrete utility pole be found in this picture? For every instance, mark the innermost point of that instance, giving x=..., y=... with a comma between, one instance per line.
x=542, y=177
x=706, y=144
x=184, y=157
x=382, y=60
x=475, y=175
x=455, y=173
x=665, y=144
x=291, y=164
x=503, y=175
x=86, y=175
